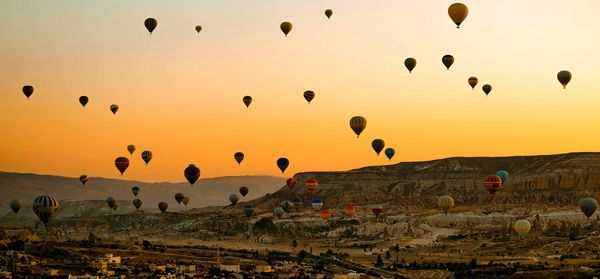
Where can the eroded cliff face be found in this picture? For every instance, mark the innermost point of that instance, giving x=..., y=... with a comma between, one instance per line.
x=552, y=180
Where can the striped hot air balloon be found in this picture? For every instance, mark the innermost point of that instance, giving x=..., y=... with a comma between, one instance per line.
x=311, y=185
x=445, y=203
x=522, y=227
x=45, y=208
x=492, y=183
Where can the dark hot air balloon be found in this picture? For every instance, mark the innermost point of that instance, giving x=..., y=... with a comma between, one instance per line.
x=239, y=157
x=328, y=13
x=179, y=197
x=448, y=60
x=233, y=198
x=244, y=191
x=114, y=108
x=83, y=179
x=247, y=100
x=192, y=173
x=410, y=64
x=131, y=149
x=588, y=206
x=358, y=124
x=150, y=24
x=198, y=28
x=112, y=203
x=473, y=82
x=137, y=203
x=458, y=12
x=83, y=100
x=135, y=190
x=27, y=90
x=309, y=95
x=147, y=156
x=15, y=205
x=248, y=210
x=278, y=212
x=564, y=77
x=378, y=145
x=486, y=89
x=122, y=164
x=377, y=209
x=163, y=206
x=282, y=164
x=286, y=27
x=389, y=153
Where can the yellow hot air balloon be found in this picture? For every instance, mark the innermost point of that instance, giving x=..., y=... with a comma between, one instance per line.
x=358, y=124
x=458, y=12
x=286, y=27
x=445, y=203
x=522, y=227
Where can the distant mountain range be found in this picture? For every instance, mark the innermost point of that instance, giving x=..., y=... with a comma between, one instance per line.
x=206, y=192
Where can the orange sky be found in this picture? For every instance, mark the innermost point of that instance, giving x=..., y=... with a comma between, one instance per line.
x=180, y=92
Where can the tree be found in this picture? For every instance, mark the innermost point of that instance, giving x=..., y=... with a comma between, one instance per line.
x=146, y=244
x=379, y=262
x=388, y=255
x=397, y=248
x=294, y=243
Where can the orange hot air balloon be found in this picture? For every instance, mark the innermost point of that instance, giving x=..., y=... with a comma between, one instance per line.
x=122, y=164
x=311, y=185
x=291, y=183
x=350, y=210
x=325, y=214
x=492, y=183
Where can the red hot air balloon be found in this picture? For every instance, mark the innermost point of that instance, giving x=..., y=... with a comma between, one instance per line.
x=311, y=185
x=350, y=210
x=377, y=209
x=492, y=183
x=325, y=214
x=291, y=183
x=122, y=163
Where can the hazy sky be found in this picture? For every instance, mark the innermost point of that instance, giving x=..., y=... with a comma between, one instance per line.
x=180, y=93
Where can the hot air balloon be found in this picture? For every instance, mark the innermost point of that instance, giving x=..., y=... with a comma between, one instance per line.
x=445, y=203
x=247, y=100
x=163, y=206
x=486, y=89
x=147, y=156
x=325, y=215
x=291, y=183
x=378, y=145
x=328, y=13
x=410, y=63
x=316, y=204
x=244, y=191
x=492, y=183
x=15, y=205
x=112, y=203
x=358, y=124
x=150, y=24
x=137, y=203
x=114, y=108
x=83, y=100
x=135, y=190
x=286, y=205
x=83, y=179
x=27, y=90
x=278, y=212
x=448, y=60
x=564, y=77
x=297, y=201
x=473, y=82
x=282, y=164
x=179, y=197
x=233, y=198
x=503, y=175
x=286, y=27
x=311, y=185
x=198, y=28
x=458, y=12
x=309, y=95
x=122, y=163
x=248, y=210
x=377, y=209
x=349, y=210
x=185, y=201
x=389, y=153
x=522, y=227
x=588, y=206
x=239, y=157
x=45, y=208
x=192, y=173
x=131, y=148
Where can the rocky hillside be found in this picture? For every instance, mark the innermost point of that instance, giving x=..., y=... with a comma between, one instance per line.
x=548, y=180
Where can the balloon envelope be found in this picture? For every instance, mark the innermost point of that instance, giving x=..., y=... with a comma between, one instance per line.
x=503, y=175
x=112, y=203
x=377, y=209
x=328, y=13
x=378, y=145
x=244, y=191
x=492, y=183
x=282, y=164
x=588, y=206
x=45, y=208
x=83, y=179
x=135, y=190
x=448, y=60
x=27, y=90
x=316, y=204
x=179, y=197
x=309, y=95
x=248, y=210
x=247, y=100
x=233, y=198
x=83, y=100
x=192, y=173
x=389, y=153
x=410, y=64
x=137, y=203
x=522, y=227
x=162, y=206
x=564, y=77
x=239, y=157
x=122, y=164
x=150, y=24
x=486, y=89
x=445, y=203
x=458, y=13
x=198, y=28
x=114, y=108
x=358, y=124
x=131, y=149
x=311, y=185
x=147, y=156
x=278, y=212
x=285, y=27
x=473, y=82
x=15, y=205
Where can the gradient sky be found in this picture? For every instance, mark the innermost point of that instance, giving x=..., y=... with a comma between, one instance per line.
x=180, y=92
